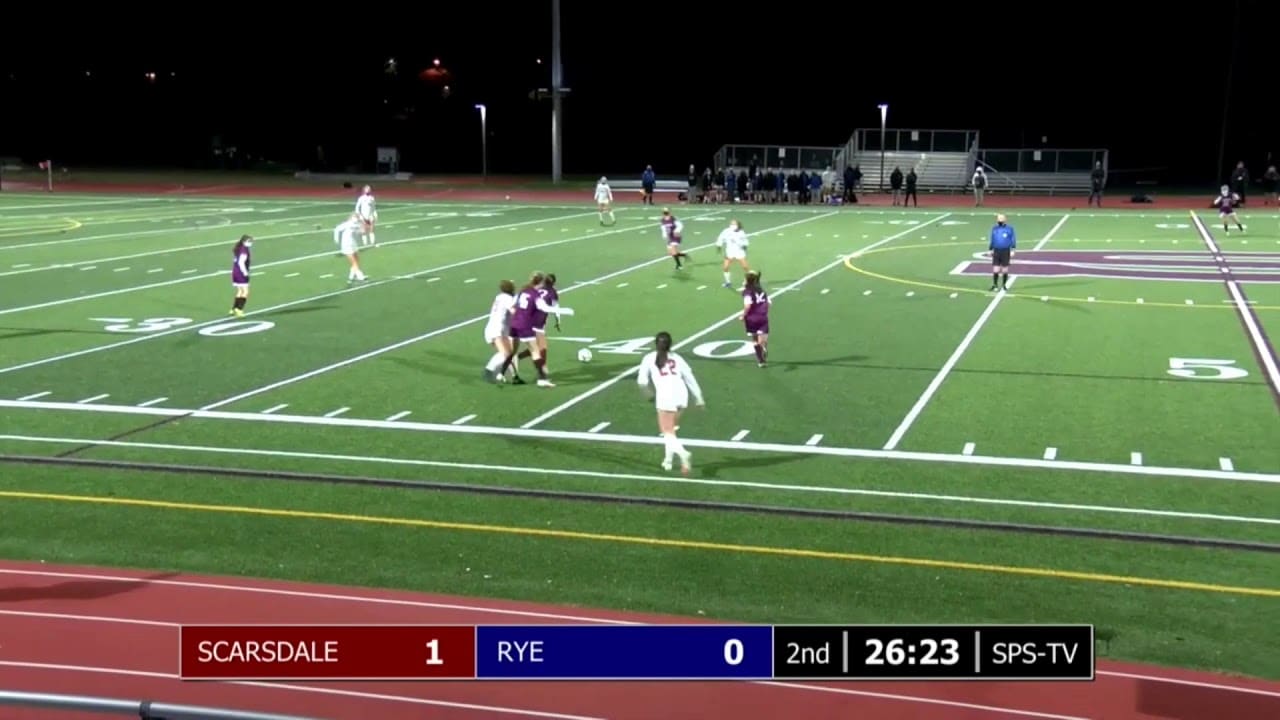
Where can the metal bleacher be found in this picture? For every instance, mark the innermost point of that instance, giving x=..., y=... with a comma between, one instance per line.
x=944, y=161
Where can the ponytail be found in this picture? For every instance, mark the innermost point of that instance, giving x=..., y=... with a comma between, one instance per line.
x=663, y=343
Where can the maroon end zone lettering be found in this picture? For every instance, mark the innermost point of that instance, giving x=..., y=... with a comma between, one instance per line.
x=1253, y=267
x=327, y=652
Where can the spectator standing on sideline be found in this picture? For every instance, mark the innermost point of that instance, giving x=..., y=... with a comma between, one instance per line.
x=693, y=185
x=730, y=185
x=850, y=179
x=979, y=182
x=718, y=185
x=743, y=186
x=912, y=179
x=857, y=176
x=828, y=183
x=1240, y=181
x=1003, y=242
x=803, y=183
x=1271, y=185
x=793, y=188
x=815, y=188
x=647, y=182
x=706, y=186
x=780, y=186
x=1097, y=181
x=895, y=184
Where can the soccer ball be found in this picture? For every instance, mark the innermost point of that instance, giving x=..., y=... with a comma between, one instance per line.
x=584, y=355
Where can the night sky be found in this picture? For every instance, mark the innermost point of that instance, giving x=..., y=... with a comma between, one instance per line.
x=666, y=86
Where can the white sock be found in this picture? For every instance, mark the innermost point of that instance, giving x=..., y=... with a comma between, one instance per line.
x=611, y=218
x=351, y=274
x=495, y=362
x=671, y=444
x=726, y=278
x=373, y=239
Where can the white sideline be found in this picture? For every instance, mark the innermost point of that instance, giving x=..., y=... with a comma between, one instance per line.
x=661, y=479
x=979, y=460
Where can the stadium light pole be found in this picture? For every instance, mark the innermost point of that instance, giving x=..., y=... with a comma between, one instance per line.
x=884, y=116
x=484, y=140
x=557, y=80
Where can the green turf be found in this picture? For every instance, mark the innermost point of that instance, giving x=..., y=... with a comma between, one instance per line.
x=107, y=303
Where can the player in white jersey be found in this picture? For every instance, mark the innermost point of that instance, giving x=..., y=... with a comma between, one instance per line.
x=497, y=332
x=604, y=200
x=345, y=236
x=733, y=244
x=367, y=211
x=670, y=381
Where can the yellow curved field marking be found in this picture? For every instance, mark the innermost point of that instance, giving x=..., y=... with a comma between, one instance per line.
x=27, y=228
x=848, y=262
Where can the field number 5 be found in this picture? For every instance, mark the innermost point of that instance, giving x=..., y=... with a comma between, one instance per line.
x=1205, y=369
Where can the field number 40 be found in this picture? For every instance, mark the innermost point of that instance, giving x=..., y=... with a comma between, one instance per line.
x=1205, y=369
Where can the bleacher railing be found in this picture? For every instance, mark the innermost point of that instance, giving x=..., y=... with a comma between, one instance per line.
x=144, y=709
x=1042, y=160
x=786, y=157
x=913, y=140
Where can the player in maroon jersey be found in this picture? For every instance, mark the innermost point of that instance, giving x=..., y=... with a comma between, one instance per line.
x=1227, y=202
x=755, y=315
x=672, y=232
x=240, y=261
x=523, y=320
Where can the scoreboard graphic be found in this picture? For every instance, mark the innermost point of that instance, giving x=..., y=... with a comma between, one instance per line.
x=637, y=652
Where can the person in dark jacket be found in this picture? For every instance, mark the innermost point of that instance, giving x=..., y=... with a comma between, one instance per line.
x=743, y=187
x=718, y=185
x=803, y=182
x=793, y=188
x=912, y=179
x=1097, y=180
x=850, y=179
x=647, y=182
x=1271, y=185
x=706, y=186
x=895, y=184
x=1240, y=181
x=693, y=185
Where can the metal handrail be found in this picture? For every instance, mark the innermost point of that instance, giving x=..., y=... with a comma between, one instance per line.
x=144, y=709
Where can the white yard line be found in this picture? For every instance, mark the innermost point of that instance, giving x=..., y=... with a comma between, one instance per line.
x=959, y=352
x=1262, y=349
x=494, y=469
x=428, y=335
x=166, y=251
x=292, y=303
x=721, y=323
x=326, y=254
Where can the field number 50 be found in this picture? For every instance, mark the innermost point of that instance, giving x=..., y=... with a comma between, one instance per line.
x=1205, y=369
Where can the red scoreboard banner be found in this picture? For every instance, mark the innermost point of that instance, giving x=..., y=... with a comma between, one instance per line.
x=324, y=652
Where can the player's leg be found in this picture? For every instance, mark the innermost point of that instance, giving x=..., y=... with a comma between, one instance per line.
x=1236, y=219
x=539, y=362
x=995, y=271
x=1004, y=275
x=761, y=347
x=542, y=343
x=724, y=268
x=500, y=346
x=373, y=238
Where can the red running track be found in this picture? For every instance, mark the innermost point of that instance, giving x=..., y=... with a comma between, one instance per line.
x=114, y=633
x=464, y=189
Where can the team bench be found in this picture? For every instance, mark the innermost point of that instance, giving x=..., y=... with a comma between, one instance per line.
x=661, y=186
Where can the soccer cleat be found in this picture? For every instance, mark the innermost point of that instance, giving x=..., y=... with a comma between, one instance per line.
x=488, y=375
x=728, y=286
x=238, y=313
x=517, y=380
x=546, y=384
x=666, y=464
x=993, y=288
x=685, y=457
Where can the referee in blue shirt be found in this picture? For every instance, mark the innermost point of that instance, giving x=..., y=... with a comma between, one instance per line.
x=1003, y=242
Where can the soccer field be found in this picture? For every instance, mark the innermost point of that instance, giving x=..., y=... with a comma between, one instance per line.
x=1100, y=444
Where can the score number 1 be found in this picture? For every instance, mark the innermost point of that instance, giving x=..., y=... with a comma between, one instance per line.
x=433, y=657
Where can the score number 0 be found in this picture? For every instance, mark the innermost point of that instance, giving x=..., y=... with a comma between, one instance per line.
x=733, y=651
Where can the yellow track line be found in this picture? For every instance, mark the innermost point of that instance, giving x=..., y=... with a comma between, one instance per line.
x=67, y=225
x=654, y=542
x=848, y=262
